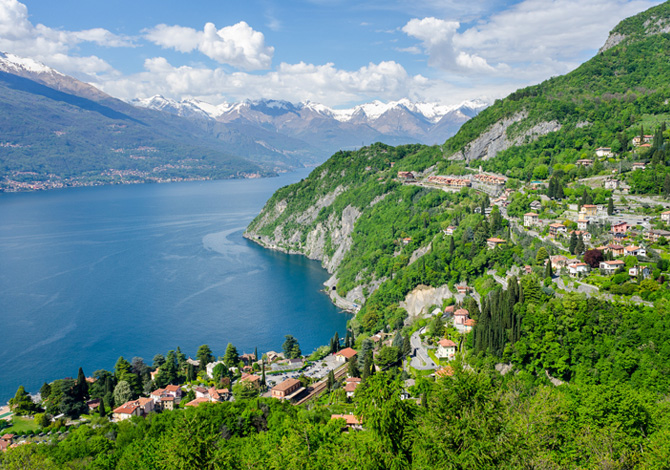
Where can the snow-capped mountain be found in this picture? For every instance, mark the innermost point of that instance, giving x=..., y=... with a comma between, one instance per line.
x=395, y=122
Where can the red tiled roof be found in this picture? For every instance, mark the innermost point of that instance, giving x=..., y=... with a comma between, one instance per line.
x=286, y=385
x=446, y=343
x=197, y=401
x=172, y=388
x=127, y=408
x=350, y=419
x=347, y=353
x=461, y=311
x=445, y=372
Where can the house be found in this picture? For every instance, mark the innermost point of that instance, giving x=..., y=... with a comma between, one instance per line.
x=609, y=267
x=218, y=394
x=167, y=403
x=654, y=235
x=460, y=321
x=588, y=210
x=463, y=289
x=351, y=384
x=273, y=356
x=535, y=206
x=586, y=236
x=194, y=362
x=530, y=219
x=252, y=379
x=621, y=227
x=154, y=373
x=287, y=389
x=197, y=401
x=492, y=243
x=201, y=392
x=583, y=224
x=557, y=229
x=637, y=140
x=345, y=354
x=93, y=404
x=665, y=217
x=528, y=269
x=407, y=241
x=406, y=176
x=639, y=271
x=351, y=421
x=126, y=411
x=174, y=391
x=469, y=325
x=611, y=184
x=446, y=348
x=558, y=261
x=248, y=359
x=603, y=152
x=449, y=230
x=6, y=442
x=449, y=310
x=578, y=269
x=146, y=405
x=633, y=250
x=639, y=166
x=210, y=368
x=616, y=250
x=447, y=371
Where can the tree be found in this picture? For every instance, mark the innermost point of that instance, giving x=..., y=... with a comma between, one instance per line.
x=45, y=391
x=353, y=367
x=122, y=393
x=42, y=420
x=102, y=411
x=610, y=206
x=82, y=385
x=388, y=356
x=291, y=347
x=541, y=255
x=22, y=404
x=220, y=370
x=573, y=243
x=263, y=374
x=548, y=270
x=190, y=372
x=452, y=246
x=406, y=346
x=231, y=358
x=331, y=380
x=243, y=390
x=205, y=356
x=256, y=354
x=579, y=247
x=368, y=367
x=666, y=186
x=158, y=361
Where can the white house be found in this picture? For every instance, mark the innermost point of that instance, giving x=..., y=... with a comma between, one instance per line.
x=210, y=368
x=633, y=250
x=641, y=271
x=665, y=217
x=582, y=224
x=603, y=151
x=446, y=348
x=609, y=267
x=578, y=269
x=530, y=219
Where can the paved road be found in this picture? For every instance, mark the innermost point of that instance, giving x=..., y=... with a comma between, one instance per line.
x=420, y=360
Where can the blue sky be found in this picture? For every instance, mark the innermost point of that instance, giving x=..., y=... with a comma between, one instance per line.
x=336, y=52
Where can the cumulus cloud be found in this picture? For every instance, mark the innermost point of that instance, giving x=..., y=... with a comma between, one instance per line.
x=51, y=46
x=238, y=45
x=532, y=40
x=296, y=82
x=437, y=39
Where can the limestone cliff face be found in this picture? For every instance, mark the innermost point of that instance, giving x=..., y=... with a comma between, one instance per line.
x=299, y=234
x=496, y=138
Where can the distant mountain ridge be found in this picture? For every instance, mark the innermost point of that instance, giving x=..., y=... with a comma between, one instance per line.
x=395, y=122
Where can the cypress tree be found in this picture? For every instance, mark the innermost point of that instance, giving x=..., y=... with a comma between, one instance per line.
x=102, y=412
x=263, y=374
x=573, y=243
x=406, y=346
x=256, y=354
x=336, y=341
x=353, y=367
x=331, y=380
x=452, y=246
x=82, y=385
x=548, y=270
x=610, y=206
x=579, y=247
x=666, y=186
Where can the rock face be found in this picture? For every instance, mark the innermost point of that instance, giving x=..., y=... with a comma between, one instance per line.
x=613, y=40
x=496, y=138
x=304, y=238
x=422, y=297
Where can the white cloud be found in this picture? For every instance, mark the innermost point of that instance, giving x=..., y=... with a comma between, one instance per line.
x=295, y=82
x=437, y=39
x=51, y=46
x=238, y=45
x=532, y=40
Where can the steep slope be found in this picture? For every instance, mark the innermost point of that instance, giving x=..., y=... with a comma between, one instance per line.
x=329, y=216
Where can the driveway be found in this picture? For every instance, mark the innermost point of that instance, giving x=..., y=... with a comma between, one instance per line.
x=420, y=358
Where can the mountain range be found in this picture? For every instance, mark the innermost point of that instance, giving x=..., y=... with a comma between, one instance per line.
x=328, y=130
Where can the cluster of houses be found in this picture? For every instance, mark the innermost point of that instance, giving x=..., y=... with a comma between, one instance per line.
x=6, y=441
x=494, y=180
x=449, y=181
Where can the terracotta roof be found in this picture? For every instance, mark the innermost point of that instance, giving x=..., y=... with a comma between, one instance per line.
x=350, y=419
x=347, y=353
x=449, y=309
x=445, y=372
x=633, y=248
x=613, y=263
x=167, y=398
x=286, y=385
x=250, y=377
x=531, y=214
x=158, y=392
x=446, y=343
x=197, y=401
x=461, y=311
x=495, y=240
x=470, y=322
x=127, y=408
x=4, y=445
x=8, y=437
x=350, y=387
x=353, y=379
x=173, y=388
x=144, y=400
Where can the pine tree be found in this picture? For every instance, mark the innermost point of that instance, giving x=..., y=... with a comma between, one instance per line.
x=406, y=346
x=548, y=270
x=610, y=206
x=573, y=243
x=102, y=412
x=353, y=367
x=579, y=247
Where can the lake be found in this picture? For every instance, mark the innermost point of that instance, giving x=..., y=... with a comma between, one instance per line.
x=91, y=274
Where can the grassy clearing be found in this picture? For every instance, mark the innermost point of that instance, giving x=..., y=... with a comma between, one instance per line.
x=20, y=425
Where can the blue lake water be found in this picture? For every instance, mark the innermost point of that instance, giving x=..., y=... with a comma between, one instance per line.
x=90, y=274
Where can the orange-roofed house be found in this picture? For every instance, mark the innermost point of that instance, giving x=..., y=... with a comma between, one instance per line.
x=285, y=389
x=352, y=422
x=633, y=250
x=446, y=349
x=530, y=219
x=126, y=411
x=197, y=401
x=350, y=385
x=665, y=217
x=252, y=379
x=345, y=354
